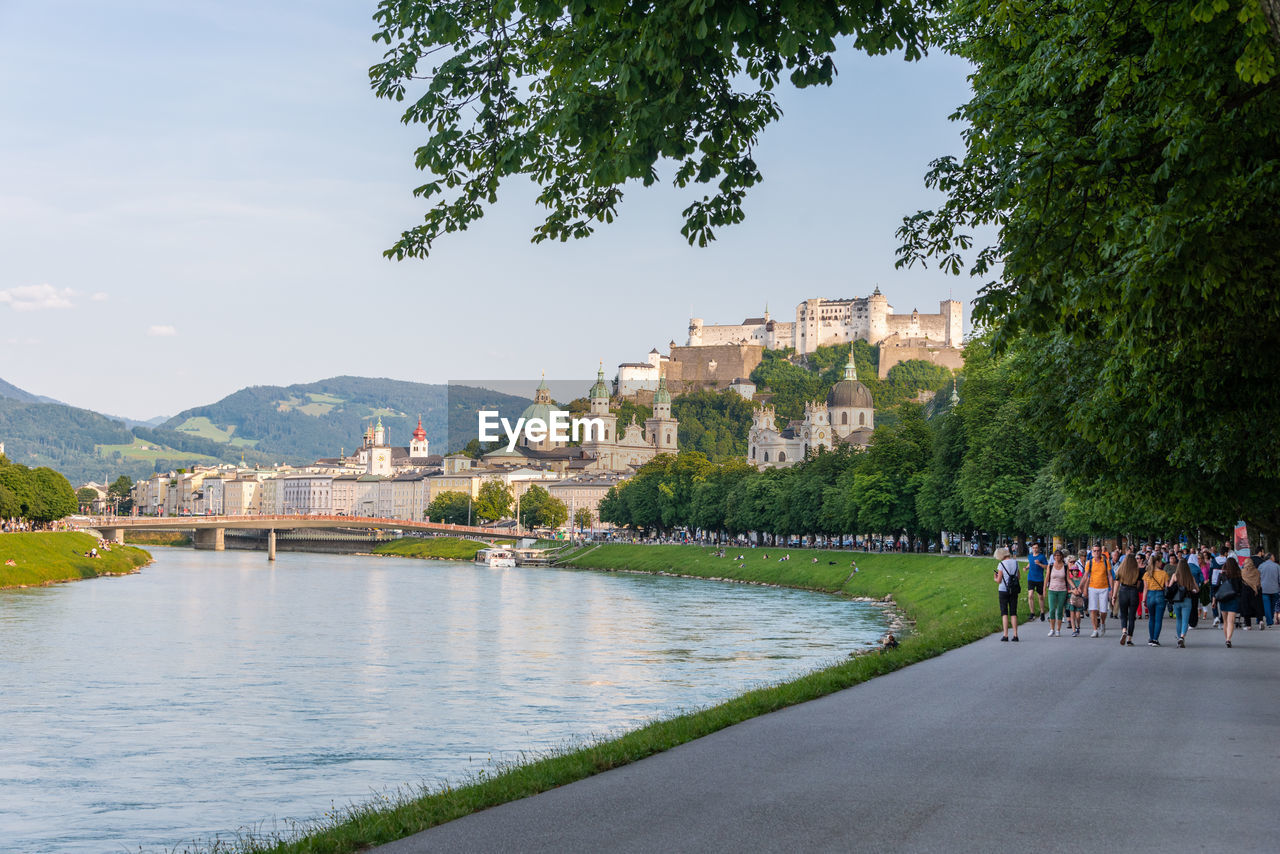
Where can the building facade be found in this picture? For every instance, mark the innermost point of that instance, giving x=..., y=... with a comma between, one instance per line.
x=820, y=322
x=847, y=417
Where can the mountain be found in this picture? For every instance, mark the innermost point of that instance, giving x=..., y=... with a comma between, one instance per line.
x=307, y=421
x=260, y=424
x=12, y=392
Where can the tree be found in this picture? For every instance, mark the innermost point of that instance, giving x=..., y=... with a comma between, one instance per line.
x=85, y=497
x=1125, y=156
x=540, y=509
x=23, y=502
x=584, y=98
x=583, y=519
x=121, y=491
x=57, y=499
x=450, y=507
x=493, y=502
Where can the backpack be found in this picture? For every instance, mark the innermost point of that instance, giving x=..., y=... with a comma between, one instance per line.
x=1011, y=582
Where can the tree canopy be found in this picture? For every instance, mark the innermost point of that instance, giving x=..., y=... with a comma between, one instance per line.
x=583, y=97
x=38, y=495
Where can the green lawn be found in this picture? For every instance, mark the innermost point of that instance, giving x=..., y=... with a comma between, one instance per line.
x=41, y=558
x=951, y=600
x=149, y=451
x=205, y=429
x=440, y=548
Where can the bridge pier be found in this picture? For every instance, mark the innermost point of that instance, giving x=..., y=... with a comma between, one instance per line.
x=211, y=539
x=271, y=544
x=112, y=535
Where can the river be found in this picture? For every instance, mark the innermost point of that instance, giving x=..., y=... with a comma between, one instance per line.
x=214, y=692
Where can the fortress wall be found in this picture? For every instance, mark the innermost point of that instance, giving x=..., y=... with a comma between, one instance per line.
x=711, y=367
x=930, y=326
x=896, y=349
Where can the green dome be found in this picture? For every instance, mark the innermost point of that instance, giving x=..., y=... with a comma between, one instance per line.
x=600, y=390
x=662, y=395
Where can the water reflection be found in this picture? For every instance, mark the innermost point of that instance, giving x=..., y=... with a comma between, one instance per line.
x=214, y=691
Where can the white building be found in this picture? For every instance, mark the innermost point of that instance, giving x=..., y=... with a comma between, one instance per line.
x=634, y=376
x=820, y=322
x=308, y=494
x=846, y=417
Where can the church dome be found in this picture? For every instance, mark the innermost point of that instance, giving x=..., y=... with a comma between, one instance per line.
x=542, y=406
x=849, y=393
x=662, y=395
x=600, y=390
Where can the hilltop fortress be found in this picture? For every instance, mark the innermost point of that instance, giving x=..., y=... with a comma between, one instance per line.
x=837, y=321
x=719, y=356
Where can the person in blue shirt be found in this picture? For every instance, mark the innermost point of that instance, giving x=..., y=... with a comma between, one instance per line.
x=1036, y=563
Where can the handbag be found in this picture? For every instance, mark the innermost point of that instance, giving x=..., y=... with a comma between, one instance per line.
x=1227, y=590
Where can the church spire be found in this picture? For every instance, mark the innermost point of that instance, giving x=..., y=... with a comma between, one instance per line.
x=850, y=369
x=600, y=390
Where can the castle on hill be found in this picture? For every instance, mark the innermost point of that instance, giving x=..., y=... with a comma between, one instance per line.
x=820, y=322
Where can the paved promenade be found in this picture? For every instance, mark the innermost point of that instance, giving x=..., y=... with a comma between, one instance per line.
x=1051, y=744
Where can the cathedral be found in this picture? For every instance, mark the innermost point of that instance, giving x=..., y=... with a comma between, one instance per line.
x=614, y=448
x=846, y=417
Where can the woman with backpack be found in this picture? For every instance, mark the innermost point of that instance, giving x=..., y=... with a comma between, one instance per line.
x=1227, y=596
x=1009, y=587
x=1182, y=593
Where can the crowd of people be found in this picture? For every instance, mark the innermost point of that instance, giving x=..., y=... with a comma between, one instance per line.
x=1148, y=583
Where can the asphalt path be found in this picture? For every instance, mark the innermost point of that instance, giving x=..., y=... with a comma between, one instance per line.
x=1049, y=744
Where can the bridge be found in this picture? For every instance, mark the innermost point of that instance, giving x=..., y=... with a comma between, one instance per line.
x=209, y=532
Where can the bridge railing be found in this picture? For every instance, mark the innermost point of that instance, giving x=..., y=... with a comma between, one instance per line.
x=284, y=520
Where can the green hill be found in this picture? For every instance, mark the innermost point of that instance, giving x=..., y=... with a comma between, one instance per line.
x=319, y=419
x=261, y=424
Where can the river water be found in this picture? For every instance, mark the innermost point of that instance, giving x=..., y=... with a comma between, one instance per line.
x=214, y=692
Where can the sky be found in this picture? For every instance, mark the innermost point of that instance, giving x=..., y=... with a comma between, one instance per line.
x=195, y=196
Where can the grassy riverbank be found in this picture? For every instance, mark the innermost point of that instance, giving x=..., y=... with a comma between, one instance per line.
x=158, y=538
x=950, y=600
x=46, y=558
x=436, y=548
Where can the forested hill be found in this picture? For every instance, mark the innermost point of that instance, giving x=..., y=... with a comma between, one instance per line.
x=320, y=419
x=261, y=424
x=12, y=392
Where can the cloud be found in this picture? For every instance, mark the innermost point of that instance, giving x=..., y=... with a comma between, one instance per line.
x=99, y=296
x=36, y=297
x=162, y=332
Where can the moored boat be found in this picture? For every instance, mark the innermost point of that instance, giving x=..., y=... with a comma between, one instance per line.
x=499, y=557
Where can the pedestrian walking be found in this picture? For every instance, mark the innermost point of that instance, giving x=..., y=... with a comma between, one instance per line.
x=1035, y=583
x=1154, y=582
x=1269, y=578
x=1057, y=582
x=1098, y=569
x=1251, y=594
x=1077, y=594
x=1227, y=596
x=1007, y=585
x=1182, y=593
x=1128, y=582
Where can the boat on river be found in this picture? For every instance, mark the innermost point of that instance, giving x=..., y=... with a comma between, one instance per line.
x=498, y=557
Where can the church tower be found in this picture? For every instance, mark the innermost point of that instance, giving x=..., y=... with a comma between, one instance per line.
x=662, y=429
x=379, y=453
x=600, y=409
x=418, y=448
